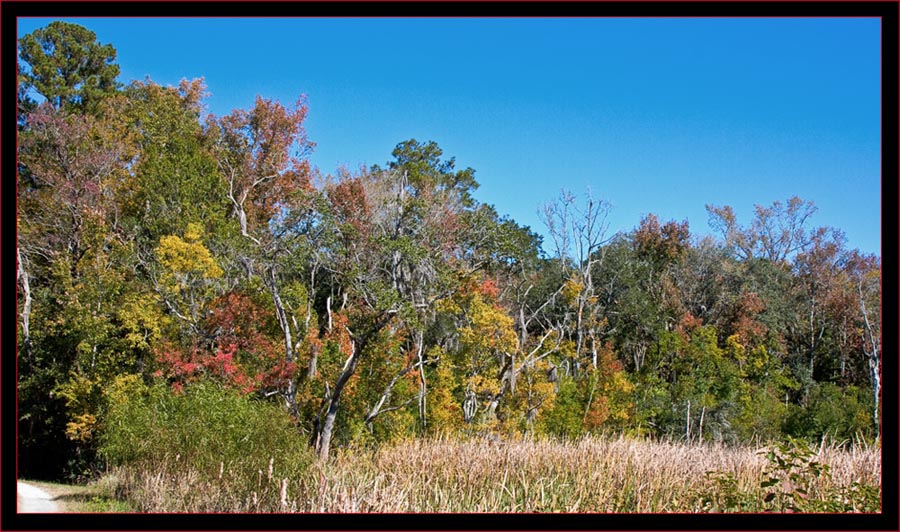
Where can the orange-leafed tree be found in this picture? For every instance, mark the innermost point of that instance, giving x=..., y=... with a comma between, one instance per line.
x=261, y=154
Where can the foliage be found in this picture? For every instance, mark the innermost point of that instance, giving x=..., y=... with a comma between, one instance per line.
x=842, y=414
x=793, y=481
x=206, y=426
x=791, y=484
x=160, y=247
x=67, y=67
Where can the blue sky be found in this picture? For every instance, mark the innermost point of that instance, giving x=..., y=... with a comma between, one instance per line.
x=652, y=115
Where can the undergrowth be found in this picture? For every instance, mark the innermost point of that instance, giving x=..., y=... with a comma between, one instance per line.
x=209, y=450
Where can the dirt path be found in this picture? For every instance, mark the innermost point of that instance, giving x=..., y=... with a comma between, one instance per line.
x=33, y=500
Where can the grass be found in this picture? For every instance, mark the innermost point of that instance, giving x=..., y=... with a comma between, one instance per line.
x=605, y=475
x=96, y=497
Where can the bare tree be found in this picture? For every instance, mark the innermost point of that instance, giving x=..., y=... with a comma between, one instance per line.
x=578, y=230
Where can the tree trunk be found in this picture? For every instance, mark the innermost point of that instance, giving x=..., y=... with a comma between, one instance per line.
x=323, y=440
x=700, y=430
x=325, y=434
x=579, y=335
x=375, y=410
x=873, y=359
x=638, y=353
x=291, y=390
x=875, y=368
x=512, y=373
x=26, y=306
x=313, y=361
x=687, y=423
x=313, y=352
x=423, y=384
x=812, y=338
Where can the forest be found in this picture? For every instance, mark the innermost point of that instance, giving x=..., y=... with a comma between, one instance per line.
x=167, y=254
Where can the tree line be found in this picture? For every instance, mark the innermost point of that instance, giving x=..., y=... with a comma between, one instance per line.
x=160, y=243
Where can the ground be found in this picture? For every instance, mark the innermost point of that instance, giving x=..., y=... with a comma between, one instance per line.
x=47, y=497
x=31, y=499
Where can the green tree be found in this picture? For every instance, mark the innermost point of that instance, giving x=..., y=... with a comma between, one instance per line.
x=173, y=179
x=65, y=64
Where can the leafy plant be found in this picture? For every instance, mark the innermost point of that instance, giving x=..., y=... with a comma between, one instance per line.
x=791, y=477
x=798, y=482
x=723, y=494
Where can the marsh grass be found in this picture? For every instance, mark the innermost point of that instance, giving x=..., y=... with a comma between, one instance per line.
x=605, y=475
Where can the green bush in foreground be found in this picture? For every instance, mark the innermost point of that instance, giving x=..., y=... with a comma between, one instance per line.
x=208, y=429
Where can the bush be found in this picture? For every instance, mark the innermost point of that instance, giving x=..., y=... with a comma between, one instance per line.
x=794, y=480
x=205, y=426
x=842, y=414
x=761, y=414
x=565, y=417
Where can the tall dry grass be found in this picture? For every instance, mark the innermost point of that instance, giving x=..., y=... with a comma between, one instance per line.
x=603, y=475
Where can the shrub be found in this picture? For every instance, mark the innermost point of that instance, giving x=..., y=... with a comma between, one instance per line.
x=205, y=426
x=795, y=479
x=797, y=482
x=839, y=413
x=565, y=417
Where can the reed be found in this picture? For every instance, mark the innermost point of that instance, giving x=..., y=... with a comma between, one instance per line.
x=605, y=475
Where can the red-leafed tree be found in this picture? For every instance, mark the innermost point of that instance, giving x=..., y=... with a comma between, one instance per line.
x=261, y=155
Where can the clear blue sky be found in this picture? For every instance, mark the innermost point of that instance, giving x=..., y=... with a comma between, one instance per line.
x=653, y=115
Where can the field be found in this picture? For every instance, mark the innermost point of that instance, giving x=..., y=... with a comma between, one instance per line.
x=589, y=475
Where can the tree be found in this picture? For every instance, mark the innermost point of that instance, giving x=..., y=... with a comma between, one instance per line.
x=818, y=269
x=67, y=66
x=400, y=249
x=75, y=165
x=775, y=234
x=189, y=271
x=644, y=284
x=702, y=379
x=261, y=157
x=865, y=273
x=75, y=268
x=578, y=231
x=173, y=179
x=486, y=342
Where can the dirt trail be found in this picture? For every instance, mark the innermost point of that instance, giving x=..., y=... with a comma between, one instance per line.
x=33, y=500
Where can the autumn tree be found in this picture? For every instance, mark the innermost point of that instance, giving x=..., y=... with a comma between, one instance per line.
x=395, y=257
x=261, y=159
x=80, y=291
x=818, y=269
x=776, y=233
x=578, y=231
